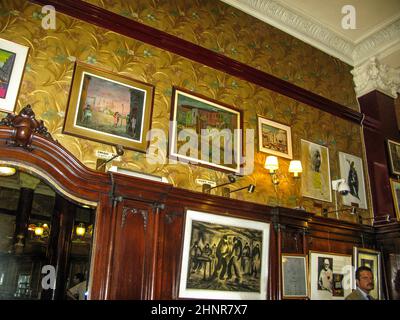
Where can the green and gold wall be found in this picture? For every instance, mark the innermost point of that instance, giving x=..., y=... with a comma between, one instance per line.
x=211, y=24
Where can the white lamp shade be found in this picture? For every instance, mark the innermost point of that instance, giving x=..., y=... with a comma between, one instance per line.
x=295, y=166
x=7, y=171
x=271, y=163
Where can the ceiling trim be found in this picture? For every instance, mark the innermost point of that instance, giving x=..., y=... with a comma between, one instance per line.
x=314, y=33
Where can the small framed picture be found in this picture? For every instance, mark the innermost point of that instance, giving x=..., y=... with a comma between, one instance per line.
x=394, y=156
x=274, y=138
x=12, y=60
x=395, y=186
x=108, y=107
x=372, y=260
x=294, y=276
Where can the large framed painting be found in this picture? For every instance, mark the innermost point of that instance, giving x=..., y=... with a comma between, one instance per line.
x=351, y=169
x=294, y=276
x=224, y=257
x=205, y=132
x=316, y=179
x=394, y=156
x=330, y=276
x=395, y=186
x=109, y=108
x=372, y=260
x=12, y=64
x=274, y=138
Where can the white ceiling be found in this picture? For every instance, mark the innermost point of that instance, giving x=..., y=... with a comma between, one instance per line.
x=318, y=22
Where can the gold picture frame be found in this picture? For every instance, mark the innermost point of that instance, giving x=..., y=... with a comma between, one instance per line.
x=109, y=108
x=394, y=156
x=395, y=187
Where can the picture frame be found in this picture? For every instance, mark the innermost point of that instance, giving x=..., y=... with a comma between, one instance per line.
x=295, y=281
x=330, y=275
x=109, y=108
x=274, y=138
x=198, y=120
x=394, y=156
x=351, y=169
x=210, y=264
x=371, y=259
x=316, y=176
x=395, y=187
x=13, y=58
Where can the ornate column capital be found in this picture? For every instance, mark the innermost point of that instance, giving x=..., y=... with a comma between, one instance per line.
x=372, y=75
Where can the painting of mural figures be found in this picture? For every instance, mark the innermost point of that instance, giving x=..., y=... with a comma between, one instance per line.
x=224, y=257
x=12, y=63
x=316, y=180
x=109, y=108
x=205, y=132
x=351, y=169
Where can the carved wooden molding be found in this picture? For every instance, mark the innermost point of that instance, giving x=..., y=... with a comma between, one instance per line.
x=144, y=213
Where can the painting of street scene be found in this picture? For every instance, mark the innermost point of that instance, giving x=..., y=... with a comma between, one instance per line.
x=224, y=257
x=210, y=123
x=111, y=107
x=274, y=138
x=7, y=60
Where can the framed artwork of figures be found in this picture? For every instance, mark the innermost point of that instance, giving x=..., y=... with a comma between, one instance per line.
x=294, y=276
x=316, y=176
x=394, y=156
x=224, y=257
x=330, y=276
x=372, y=260
x=395, y=186
x=351, y=169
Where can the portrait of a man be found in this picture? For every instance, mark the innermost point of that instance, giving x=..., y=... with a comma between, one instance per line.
x=325, y=276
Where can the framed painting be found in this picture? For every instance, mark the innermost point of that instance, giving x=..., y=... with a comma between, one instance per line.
x=224, y=257
x=205, y=132
x=330, y=276
x=316, y=179
x=12, y=63
x=395, y=186
x=109, y=108
x=351, y=169
x=394, y=156
x=372, y=260
x=294, y=276
x=274, y=138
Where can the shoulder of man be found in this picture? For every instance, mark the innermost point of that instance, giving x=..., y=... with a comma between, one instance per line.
x=355, y=295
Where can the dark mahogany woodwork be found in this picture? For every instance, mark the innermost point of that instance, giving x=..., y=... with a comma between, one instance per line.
x=22, y=214
x=100, y=17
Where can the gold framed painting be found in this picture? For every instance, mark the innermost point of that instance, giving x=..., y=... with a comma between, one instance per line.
x=274, y=138
x=395, y=186
x=316, y=179
x=295, y=282
x=12, y=60
x=394, y=156
x=108, y=107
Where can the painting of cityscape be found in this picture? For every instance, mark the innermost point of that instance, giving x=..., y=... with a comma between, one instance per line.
x=109, y=108
x=274, y=138
x=205, y=132
x=224, y=257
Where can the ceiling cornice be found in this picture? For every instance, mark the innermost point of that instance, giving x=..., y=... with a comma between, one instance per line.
x=314, y=33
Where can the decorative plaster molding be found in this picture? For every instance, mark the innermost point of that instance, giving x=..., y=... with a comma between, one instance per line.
x=372, y=75
x=317, y=35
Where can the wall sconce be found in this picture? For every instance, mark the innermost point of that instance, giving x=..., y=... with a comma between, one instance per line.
x=39, y=230
x=271, y=164
x=80, y=230
x=102, y=162
x=7, y=171
x=207, y=188
x=250, y=189
x=339, y=186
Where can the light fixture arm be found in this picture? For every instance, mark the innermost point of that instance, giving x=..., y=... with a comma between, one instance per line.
x=120, y=152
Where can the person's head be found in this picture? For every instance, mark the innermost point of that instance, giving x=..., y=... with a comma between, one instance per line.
x=326, y=264
x=365, y=279
x=78, y=277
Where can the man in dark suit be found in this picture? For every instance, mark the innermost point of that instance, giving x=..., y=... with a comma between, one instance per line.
x=365, y=283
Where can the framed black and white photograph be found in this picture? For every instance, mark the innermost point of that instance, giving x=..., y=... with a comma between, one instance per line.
x=371, y=259
x=294, y=276
x=351, y=169
x=330, y=276
x=224, y=257
x=394, y=156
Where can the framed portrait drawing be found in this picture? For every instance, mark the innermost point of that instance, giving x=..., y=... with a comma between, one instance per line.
x=224, y=257
x=294, y=276
x=316, y=179
x=395, y=186
x=109, y=108
x=274, y=138
x=205, y=132
x=372, y=260
x=330, y=276
x=12, y=63
x=394, y=156
x=351, y=169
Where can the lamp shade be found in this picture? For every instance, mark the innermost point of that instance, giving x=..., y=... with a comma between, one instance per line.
x=7, y=171
x=271, y=163
x=80, y=230
x=39, y=230
x=295, y=167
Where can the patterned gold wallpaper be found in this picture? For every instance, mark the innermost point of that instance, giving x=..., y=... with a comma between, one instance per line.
x=48, y=75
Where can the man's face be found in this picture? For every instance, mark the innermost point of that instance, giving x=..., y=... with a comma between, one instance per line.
x=326, y=264
x=366, y=282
